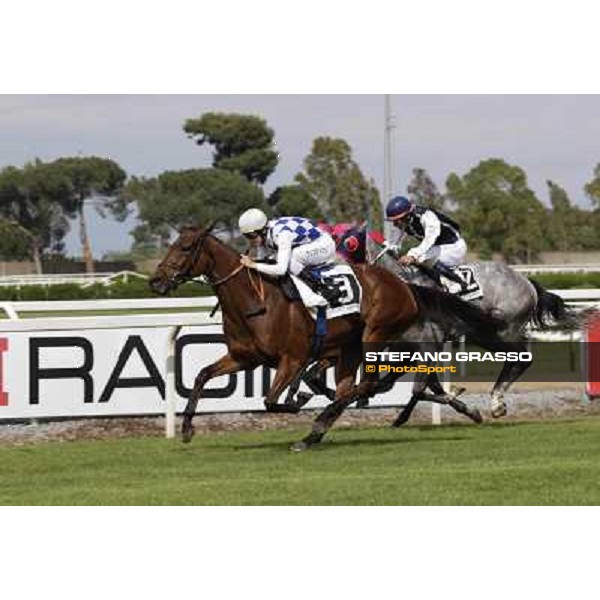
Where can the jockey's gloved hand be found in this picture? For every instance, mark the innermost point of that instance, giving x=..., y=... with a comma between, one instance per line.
x=390, y=247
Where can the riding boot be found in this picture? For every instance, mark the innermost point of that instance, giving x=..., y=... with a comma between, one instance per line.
x=448, y=273
x=432, y=274
x=330, y=294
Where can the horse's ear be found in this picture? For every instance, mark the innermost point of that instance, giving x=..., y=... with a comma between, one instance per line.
x=210, y=227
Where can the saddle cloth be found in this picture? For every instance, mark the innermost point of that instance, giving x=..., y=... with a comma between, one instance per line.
x=472, y=290
x=337, y=275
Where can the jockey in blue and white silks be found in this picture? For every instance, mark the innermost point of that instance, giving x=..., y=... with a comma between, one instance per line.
x=299, y=243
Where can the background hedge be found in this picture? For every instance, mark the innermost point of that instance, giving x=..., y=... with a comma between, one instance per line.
x=138, y=288
x=568, y=280
x=135, y=288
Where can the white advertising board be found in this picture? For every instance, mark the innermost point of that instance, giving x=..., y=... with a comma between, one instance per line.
x=109, y=372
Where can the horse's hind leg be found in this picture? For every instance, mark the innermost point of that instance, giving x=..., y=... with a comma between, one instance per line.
x=224, y=366
x=419, y=386
x=460, y=407
x=511, y=371
x=287, y=371
x=406, y=412
x=314, y=378
x=345, y=370
x=451, y=399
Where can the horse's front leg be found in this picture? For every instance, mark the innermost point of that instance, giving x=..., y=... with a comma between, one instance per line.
x=224, y=366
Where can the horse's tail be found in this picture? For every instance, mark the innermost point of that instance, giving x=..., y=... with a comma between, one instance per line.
x=548, y=305
x=455, y=315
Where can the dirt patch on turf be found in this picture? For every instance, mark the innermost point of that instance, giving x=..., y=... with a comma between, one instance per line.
x=523, y=406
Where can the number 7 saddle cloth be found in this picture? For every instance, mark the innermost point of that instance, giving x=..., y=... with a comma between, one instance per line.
x=472, y=290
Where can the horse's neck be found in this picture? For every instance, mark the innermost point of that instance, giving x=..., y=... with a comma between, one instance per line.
x=224, y=258
x=241, y=292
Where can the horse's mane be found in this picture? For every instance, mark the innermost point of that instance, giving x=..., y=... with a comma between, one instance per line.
x=208, y=233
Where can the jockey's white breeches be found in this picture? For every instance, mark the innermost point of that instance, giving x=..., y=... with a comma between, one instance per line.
x=319, y=252
x=450, y=254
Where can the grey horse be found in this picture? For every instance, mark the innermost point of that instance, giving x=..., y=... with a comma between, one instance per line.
x=506, y=295
x=509, y=297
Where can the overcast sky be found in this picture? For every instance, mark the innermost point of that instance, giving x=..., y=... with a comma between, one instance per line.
x=551, y=137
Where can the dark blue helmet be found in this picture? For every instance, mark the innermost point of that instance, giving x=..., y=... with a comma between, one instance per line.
x=398, y=207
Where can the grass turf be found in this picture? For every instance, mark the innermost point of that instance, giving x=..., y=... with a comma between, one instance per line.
x=526, y=463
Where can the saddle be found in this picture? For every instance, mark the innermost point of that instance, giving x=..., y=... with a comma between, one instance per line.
x=289, y=289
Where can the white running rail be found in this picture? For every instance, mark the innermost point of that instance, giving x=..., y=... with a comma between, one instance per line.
x=565, y=268
x=83, y=279
x=15, y=309
x=579, y=298
x=173, y=320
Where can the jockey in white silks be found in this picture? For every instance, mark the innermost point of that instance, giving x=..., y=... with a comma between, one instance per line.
x=300, y=245
x=441, y=244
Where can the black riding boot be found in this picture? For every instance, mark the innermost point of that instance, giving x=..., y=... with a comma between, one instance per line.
x=448, y=273
x=330, y=294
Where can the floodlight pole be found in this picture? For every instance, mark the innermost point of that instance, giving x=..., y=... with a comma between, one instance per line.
x=388, y=178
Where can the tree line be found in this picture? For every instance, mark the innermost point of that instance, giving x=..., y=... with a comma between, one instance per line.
x=499, y=212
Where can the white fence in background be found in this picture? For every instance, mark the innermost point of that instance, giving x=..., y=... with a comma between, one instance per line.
x=580, y=299
x=567, y=268
x=132, y=364
x=83, y=279
x=107, y=278
x=110, y=365
x=15, y=309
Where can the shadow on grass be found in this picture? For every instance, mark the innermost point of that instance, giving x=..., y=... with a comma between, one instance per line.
x=332, y=444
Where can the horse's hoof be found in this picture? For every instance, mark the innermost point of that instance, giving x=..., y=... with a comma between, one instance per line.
x=187, y=435
x=476, y=416
x=499, y=411
x=397, y=424
x=457, y=391
x=300, y=446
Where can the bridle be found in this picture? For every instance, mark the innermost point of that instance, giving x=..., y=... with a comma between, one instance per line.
x=184, y=276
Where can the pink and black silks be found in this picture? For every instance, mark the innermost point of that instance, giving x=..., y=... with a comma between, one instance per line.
x=351, y=240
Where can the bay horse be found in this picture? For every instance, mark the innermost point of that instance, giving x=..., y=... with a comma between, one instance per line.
x=262, y=327
x=507, y=295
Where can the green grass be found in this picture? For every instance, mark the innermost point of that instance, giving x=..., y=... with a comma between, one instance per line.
x=526, y=463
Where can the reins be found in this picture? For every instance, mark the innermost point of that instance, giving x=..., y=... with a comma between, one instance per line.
x=258, y=287
x=227, y=277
